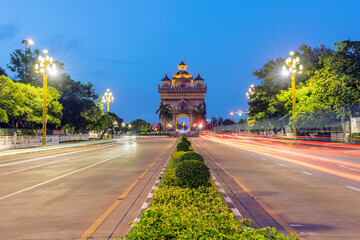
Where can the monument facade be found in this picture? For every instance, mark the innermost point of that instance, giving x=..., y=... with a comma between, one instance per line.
x=184, y=94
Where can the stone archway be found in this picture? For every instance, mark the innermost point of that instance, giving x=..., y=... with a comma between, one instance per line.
x=182, y=115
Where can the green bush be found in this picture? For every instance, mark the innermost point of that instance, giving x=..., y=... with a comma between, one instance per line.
x=191, y=156
x=184, y=213
x=192, y=174
x=175, y=159
x=169, y=177
x=183, y=137
x=186, y=141
x=182, y=147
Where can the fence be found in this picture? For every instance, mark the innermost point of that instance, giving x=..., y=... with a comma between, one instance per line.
x=11, y=142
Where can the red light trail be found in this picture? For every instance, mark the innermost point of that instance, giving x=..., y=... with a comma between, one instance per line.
x=308, y=156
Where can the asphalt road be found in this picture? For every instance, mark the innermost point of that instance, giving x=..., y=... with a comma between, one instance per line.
x=59, y=194
x=314, y=189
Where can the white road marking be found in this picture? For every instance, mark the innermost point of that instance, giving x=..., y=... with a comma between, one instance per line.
x=307, y=173
x=50, y=163
x=295, y=225
x=263, y=158
x=356, y=189
x=56, y=178
x=51, y=156
x=281, y=164
x=350, y=168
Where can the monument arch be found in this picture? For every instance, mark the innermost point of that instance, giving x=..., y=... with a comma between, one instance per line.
x=184, y=94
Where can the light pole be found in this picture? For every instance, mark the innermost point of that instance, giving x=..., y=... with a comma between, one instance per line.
x=45, y=66
x=108, y=97
x=27, y=42
x=292, y=67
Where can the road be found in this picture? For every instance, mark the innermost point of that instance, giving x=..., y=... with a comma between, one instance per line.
x=60, y=194
x=313, y=187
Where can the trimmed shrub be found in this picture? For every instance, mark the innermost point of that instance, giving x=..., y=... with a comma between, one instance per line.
x=182, y=147
x=186, y=141
x=183, y=137
x=175, y=159
x=191, y=156
x=169, y=177
x=192, y=174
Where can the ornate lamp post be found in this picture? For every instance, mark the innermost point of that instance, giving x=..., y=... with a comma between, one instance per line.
x=250, y=92
x=107, y=98
x=45, y=66
x=292, y=67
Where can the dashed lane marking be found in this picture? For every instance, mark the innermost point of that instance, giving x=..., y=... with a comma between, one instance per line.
x=282, y=223
x=307, y=173
x=57, y=178
x=280, y=164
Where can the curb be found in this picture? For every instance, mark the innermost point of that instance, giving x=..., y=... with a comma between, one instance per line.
x=227, y=199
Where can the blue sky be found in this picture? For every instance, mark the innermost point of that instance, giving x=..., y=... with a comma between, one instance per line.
x=128, y=46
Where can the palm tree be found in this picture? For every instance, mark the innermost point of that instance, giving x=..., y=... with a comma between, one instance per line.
x=200, y=112
x=165, y=113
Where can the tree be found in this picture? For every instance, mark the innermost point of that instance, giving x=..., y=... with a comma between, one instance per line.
x=22, y=104
x=140, y=125
x=118, y=121
x=104, y=124
x=2, y=72
x=22, y=65
x=82, y=107
x=228, y=122
x=165, y=113
x=264, y=103
x=332, y=90
x=199, y=112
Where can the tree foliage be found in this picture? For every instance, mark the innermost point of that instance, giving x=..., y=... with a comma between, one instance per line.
x=22, y=103
x=265, y=103
x=165, y=113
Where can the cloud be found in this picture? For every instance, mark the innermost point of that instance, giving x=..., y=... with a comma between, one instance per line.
x=8, y=30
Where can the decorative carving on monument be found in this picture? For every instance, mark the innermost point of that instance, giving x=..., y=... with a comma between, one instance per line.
x=184, y=94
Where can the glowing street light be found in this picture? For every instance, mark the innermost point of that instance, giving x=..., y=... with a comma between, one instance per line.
x=107, y=98
x=129, y=126
x=27, y=42
x=123, y=124
x=292, y=67
x=251, y=92
x=45, y=66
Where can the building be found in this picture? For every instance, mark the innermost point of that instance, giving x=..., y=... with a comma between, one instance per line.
x=185, y=95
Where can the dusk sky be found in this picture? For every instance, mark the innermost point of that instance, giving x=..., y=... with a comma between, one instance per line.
x=128, y=46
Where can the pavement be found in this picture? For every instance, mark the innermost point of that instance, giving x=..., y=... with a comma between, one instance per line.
x=61, y=146
x=312, y=191
x=94, y=191
x=80, y=192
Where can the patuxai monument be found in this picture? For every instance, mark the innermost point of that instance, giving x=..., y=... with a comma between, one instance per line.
x=184, y=96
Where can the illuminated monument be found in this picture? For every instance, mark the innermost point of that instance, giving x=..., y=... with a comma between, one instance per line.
x=185, y=95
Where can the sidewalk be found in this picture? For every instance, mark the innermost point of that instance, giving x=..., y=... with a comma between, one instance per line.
x=52, y=147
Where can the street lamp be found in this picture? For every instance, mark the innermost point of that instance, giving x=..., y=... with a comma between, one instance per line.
x=45, y=66
x=27, y=42
x=251, y=92
x=292, y=67
x=107, y=98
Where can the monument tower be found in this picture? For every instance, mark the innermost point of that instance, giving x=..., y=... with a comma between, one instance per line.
x=185, y=95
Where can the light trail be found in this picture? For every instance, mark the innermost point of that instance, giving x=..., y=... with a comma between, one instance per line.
x=326, y=165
